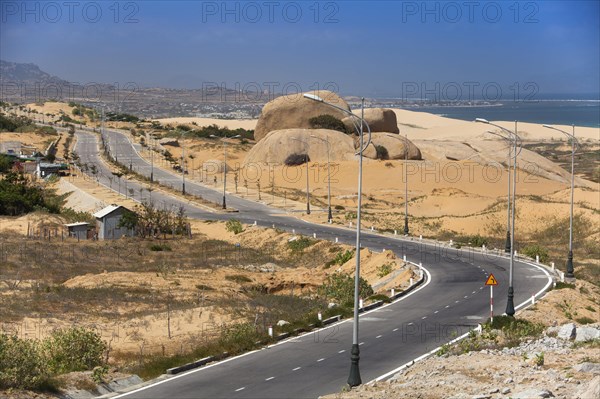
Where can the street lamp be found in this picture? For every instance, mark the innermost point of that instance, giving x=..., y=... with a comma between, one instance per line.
x=405, y=184
x=182, y=163
x=510, y=306
x=573, y=142
x=329, y=214
x=354, y=377
x=224, y=164
x=306, y=161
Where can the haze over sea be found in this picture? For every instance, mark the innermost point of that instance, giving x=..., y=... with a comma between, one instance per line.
x=578, y=112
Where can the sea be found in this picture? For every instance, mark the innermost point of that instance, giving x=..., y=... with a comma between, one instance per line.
x=578, y=112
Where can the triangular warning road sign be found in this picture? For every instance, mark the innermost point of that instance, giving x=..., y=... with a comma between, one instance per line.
x=491, y=280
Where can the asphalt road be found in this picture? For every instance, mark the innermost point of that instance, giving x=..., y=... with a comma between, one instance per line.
x=452, y=301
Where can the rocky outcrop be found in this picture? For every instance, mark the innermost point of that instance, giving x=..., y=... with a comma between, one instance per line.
x=379, y=120
x=280, y=144
x=295, y=111
x=396, y=146
x=169, y=141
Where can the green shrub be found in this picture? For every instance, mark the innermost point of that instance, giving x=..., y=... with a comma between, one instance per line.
x=296, y=159
x=535, y=249
x=384, y=270
x=160, y=247
x=339, y=207
x=560, y=285
x=343, y=257
x=380, y=297
x=340, y=287
x=21, y=364
x=73, y=349
x=240, y=337
x=234, y=226
x=327, y=121
x=585, y=320
x=300, y=244
x=478, y=241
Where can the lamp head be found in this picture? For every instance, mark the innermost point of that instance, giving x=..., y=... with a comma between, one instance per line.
x=313, y=97
x=481, y=120
x=548, y=126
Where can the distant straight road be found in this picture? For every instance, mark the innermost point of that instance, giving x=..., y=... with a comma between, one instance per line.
x=452, y=301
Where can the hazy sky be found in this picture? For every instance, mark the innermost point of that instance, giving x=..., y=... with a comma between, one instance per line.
x=362, y=48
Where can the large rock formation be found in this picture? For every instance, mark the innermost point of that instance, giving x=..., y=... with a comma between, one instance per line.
x=379, y=120
x=396, y=146
x=295, y=111
x=280, y=144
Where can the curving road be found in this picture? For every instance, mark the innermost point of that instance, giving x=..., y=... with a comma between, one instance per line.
x=451, y=302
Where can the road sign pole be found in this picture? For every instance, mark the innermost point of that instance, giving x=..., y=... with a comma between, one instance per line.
x=491, y=304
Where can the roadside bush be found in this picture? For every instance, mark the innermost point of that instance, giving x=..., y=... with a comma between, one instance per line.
x=296, y=159
x=340, y=287
x=73, y=349
x=343, y=257
x=478, y=241
x=327, y=121
x=384, y=270
x=239, y=338
x=300, y=244
x=234, y=226
x=535, y=249
x=21, y=364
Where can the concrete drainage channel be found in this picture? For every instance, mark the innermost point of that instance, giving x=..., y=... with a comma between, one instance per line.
x=311, y=328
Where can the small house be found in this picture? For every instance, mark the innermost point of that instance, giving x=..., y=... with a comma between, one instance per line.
x=108, y=223
x=78, y=230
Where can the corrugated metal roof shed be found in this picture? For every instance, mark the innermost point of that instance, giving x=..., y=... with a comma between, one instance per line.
x=108, y=210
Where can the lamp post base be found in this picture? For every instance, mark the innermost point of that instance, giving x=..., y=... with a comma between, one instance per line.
x=354, y=378
x=507, y=246
x=224, y=204
x=406, y=226
x=329, y=216
x=510, y=305
x=570, y=270
x=183, y=189
x=307, y=209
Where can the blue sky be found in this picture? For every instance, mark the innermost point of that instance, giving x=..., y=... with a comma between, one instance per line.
x=372, y=48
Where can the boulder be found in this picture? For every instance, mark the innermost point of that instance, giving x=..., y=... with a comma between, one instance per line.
x=280, y=144
x=379, y=120
x=585, y=333
x=533, y=393
x=396, y=145
x=295, y=111
x=588, y=367
x=567, y=331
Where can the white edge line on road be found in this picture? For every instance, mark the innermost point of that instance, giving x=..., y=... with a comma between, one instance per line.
x=279, y=343
x=525, y=304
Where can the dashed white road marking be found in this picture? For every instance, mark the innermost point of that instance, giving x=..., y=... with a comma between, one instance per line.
x=447, y=306
x=480, y=288
x=466, y=296
x=360, y=343
x=342, y=351
x=379, y=336
x=410, y=324
x=456, y=301
x=240, y=389
x=423, y=318
x=395, y=329
x=436, y=312
x=321, y=359
x=269, y=379
x=296, y=369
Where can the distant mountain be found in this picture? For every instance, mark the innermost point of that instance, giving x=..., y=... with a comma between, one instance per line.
x=17, y=73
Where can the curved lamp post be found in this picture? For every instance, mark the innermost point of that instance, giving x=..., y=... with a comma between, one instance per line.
x=306, y=161
x=354, y=377
x=406, y=185
x=574, y=141
x=224, y=163
x=510, y=306
x=329, y=214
